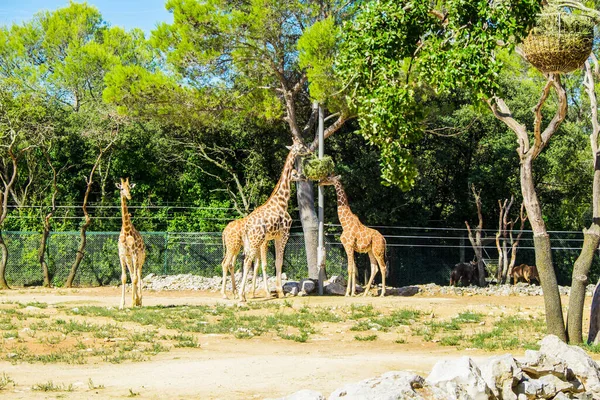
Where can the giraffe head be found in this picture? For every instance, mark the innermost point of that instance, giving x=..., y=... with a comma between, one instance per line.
x=298, y=177
x=125, y=188
x=330, y=180
x=299, y=149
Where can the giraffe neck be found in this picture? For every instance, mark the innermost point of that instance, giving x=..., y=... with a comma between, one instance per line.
x=281, y=192
x=342, y=200
x=125, y=215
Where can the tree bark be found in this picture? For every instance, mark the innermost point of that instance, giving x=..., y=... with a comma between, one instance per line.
x=3, y=261
x=543, y=253
x=593, y=334
x=42, y=255
x=310, y=223
x=80, y=253
x=591, y=239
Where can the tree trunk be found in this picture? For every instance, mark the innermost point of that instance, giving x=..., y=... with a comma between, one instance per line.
x=42, y=255
x=593, y=336
x=582, y=266
x=543, y=253
x=80, y=253
x=3, y=261
x=310, y=223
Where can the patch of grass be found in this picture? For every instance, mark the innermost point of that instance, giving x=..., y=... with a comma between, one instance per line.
x=358, y=311
x=10, y=335
x=451, y=340
x=184, y=340
x=301, y=337
x=367, y=338
x=51, y=387
x=33, y=304
x=67, y=357
x=144, y=336
x=468, y=317
x=5, y=380
x=93, y=386
x=132, y=393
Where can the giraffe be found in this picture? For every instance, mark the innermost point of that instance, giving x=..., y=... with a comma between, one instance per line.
x=132, y=251
x=232, y=244
x=358, y=237
x=271, y=221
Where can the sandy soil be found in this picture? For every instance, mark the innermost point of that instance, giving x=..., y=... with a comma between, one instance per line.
x=227, y=368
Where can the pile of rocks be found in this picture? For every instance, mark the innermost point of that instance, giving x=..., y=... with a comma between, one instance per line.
x=520, y=289
x=336, y=285
x=195, y=282
x=557, y=371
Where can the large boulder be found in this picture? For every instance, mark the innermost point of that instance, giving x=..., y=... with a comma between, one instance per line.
x=461, y=379
x=393, y=385
x=578, y=361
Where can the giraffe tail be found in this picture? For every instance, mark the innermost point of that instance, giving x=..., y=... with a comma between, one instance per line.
x=224, y=248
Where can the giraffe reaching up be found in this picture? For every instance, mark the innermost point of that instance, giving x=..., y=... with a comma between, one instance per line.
x=132, y=251
x=271, y=221
x=232, y=244
x=358, y=237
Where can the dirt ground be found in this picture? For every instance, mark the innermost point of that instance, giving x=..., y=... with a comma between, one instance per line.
x=224, y=367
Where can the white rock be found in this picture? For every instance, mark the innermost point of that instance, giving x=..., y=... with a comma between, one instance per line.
x=461, y=379
x=393, y=385
x=582, y=365
x=501, y=373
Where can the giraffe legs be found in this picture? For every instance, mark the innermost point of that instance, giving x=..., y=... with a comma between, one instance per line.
x=134, y=281
x=383, y=268
x=225, y=265
x=231, y=268
x=263, y=256
x=374, y=269
x=140, y=260
x=123, y=280
x=279, y=249
x=350, y=289
x=248, y=259
x=254, y=274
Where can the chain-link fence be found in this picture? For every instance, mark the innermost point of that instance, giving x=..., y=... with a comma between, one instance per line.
x=415, y=255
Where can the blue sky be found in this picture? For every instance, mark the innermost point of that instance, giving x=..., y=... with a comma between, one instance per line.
x=144, y=14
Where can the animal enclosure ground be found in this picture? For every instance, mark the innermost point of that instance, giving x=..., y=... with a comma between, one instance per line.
x=75, y=343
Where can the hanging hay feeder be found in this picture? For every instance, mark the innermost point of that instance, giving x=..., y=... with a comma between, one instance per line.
x=316, y=169
x=560, y=42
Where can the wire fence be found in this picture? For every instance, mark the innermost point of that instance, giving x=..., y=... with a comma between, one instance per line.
x=415, y=255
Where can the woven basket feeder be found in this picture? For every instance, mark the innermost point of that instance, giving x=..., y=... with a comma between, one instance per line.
x=316, y=169
x=560, y=43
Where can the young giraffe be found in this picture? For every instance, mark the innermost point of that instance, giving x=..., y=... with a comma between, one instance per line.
x=232, y=244
x=271, y=221
x=132, y=251
x=357, y=237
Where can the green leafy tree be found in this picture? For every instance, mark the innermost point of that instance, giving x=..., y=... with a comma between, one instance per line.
x=262, y=59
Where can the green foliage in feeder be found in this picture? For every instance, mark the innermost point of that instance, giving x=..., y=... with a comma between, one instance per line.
x=316, y=169
x=560, y=42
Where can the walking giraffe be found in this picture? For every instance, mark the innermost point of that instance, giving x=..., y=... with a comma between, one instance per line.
x=132, y=251
x=358, y=237
x=271, y=221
